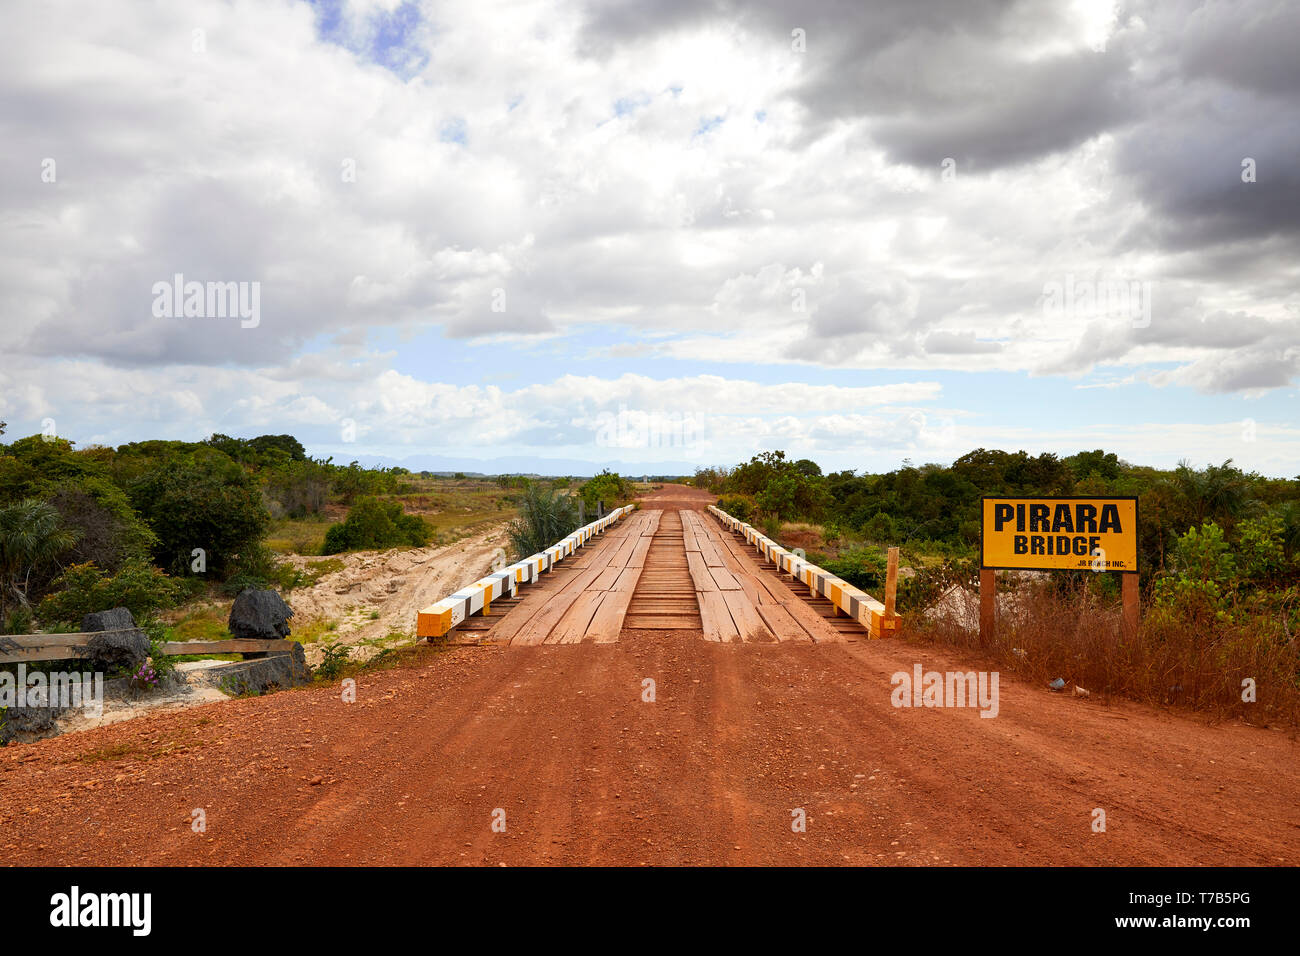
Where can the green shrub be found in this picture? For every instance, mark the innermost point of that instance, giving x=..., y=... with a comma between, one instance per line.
x=880, y=528
x=334, y=657
x=608, y=487
x=31, y=539
x=739, y=508
x=862, y=567
x=372, y=524
x=20, y=621
x=929, y=583
x=545, y=517
x=241, y=581
x=1205, y=571
x=140, y=588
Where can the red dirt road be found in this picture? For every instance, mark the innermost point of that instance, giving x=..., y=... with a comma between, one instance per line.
x=586, y=772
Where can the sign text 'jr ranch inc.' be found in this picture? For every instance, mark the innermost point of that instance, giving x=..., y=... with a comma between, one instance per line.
x=1071, y=534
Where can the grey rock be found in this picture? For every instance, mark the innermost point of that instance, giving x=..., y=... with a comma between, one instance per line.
x=259, y=615
x=261, y=675
x=111, y=620
x=27, y=723
x=125, y=646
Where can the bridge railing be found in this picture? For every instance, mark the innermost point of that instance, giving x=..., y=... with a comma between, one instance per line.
x=439, y=618
x=856, y=603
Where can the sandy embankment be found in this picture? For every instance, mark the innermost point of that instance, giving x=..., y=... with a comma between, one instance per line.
x=395, y=584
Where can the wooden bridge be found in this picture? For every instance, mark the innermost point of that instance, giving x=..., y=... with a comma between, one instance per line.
x=668, y=569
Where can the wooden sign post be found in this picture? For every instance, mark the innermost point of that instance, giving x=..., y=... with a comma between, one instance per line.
x=891, y=584
x=1058, y=534
x=988, y=604
x=1129, y=594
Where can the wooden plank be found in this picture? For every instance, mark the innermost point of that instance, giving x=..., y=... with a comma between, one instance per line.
x=813, y=623
x=700, y=572
x=591, y=554
x=725, y=580
x=891, y=582
x=25, y=655
x=607, y=622
x=817, y=626
x=605, y=580
x=755, y=591
x=538, y=625
x=988, y=605
x=233, y=646
x=619, y=557
x=731, y=562
x=778, y=592
x=573, y=625
x=748, y=622
x=637, y=558
x=709, y=551
x=690, y=542
x=769, y=580
x=1130, y=600
x=739, y=549
x=24, y=642
x=627, y=579
x=716, y=618
x=781, y=623
x=652, y=524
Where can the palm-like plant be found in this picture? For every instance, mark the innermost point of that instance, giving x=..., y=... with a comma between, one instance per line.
x=545, y=516
x=1219, y=493
x=30, y=536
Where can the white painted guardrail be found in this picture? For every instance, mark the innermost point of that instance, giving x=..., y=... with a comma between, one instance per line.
x=437, y=619
x=857, y=604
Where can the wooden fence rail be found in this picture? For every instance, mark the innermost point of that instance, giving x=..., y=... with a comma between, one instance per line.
x=29, y=648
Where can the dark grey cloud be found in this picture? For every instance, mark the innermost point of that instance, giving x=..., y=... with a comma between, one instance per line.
x=1220, y=84
x=932, y=80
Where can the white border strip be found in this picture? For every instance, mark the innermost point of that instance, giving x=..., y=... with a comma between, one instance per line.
x=857, y=604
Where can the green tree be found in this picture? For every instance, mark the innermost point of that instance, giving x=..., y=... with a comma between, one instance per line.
x=203, y=500
x=609, y=487
x=31, y=536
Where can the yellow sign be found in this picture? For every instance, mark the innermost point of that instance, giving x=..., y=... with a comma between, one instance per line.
x=1070, y=534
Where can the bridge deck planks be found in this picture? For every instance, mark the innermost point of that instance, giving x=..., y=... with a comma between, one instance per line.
x=700, y=572
x=716, y=617
x=573, y=625
x=782, y=623
x=663, y=571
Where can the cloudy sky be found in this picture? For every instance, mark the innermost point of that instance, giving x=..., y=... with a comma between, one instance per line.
x=656, y=232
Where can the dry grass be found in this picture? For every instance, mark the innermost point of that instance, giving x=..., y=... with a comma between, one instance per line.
x=454, y=508
x=1043, y=634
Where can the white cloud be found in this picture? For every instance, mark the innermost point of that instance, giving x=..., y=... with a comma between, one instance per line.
x=679, y=179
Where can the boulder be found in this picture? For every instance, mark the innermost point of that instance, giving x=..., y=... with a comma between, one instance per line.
x=261, y=675
x=27, y=723
x=125, y=647
x=259, y=615
x=112, y=620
